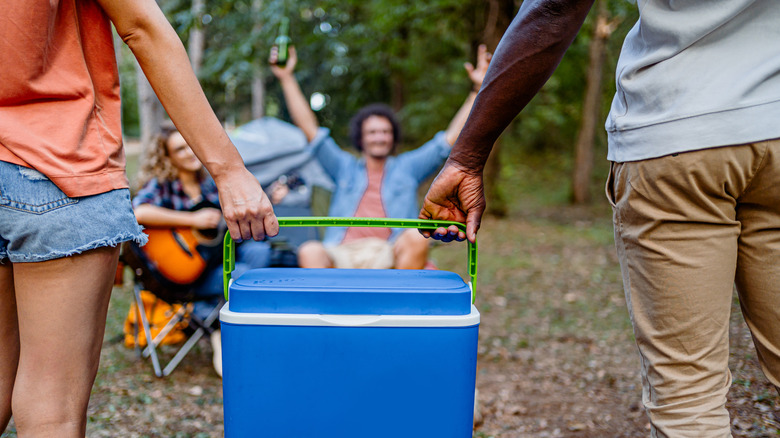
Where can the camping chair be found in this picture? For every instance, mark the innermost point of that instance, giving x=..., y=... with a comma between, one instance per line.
x=272, y=148
x=149, y=278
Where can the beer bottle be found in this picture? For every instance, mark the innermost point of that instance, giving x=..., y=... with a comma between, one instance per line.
x=282, y=42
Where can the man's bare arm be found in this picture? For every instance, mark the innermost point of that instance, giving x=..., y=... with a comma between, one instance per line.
x=526, y=57
x=300, y=111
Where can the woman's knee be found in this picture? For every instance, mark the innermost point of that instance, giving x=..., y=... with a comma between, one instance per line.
x=411, y=241
x=312, y=254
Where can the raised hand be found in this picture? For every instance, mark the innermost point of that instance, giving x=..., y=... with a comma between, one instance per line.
x=288, y=68
x=477, y=74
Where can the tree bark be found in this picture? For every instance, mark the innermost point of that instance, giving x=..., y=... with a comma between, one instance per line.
x=258, y=79
x=258, y=95
x=499, y=15
x=591, y=114
x=397, y=82
x=197, y=39
x=150, y=111
x=399, y=91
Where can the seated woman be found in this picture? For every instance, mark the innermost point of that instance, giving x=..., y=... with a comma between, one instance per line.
x=176, y=192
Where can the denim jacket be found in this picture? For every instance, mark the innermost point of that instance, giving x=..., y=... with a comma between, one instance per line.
x=402, y=177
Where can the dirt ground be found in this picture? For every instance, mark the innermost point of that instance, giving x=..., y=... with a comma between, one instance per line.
x=556, y=354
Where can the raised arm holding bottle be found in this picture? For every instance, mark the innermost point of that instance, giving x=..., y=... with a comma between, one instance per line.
x=377, y=183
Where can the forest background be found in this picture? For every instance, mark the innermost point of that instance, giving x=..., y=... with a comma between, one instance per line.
x=409, y=55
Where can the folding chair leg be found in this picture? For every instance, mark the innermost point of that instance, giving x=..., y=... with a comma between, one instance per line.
x=170, y=325
x=204, y=327
x=136, y=330
x=147, y=330
x=183, y=351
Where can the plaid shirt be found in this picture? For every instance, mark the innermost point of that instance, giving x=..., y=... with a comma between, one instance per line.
x=169, y=194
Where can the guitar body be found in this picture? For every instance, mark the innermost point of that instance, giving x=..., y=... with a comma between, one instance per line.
x=174, y=253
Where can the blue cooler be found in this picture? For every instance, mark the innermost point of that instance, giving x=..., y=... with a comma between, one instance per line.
x=349, y=353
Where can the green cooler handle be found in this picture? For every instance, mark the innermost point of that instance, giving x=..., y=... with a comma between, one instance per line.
x=229, y=254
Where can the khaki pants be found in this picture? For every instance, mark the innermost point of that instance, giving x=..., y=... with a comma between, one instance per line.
x=687, y=228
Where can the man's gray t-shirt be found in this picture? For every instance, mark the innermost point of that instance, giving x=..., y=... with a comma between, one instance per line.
x=695, y=74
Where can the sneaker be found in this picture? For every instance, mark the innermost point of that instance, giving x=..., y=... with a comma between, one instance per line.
x=216, y=346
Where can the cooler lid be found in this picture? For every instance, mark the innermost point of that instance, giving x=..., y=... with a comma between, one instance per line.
x=350, y=292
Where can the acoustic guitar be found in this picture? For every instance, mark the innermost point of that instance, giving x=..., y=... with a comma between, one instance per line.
x=178, y=253
x=181, y=255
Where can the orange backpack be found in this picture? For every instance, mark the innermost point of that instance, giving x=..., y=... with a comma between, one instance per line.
x=158, y=313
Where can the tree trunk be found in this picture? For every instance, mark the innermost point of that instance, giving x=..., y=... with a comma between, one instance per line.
x=591, y=114
x=197, y=40
x=398, y=90
x=397, y=82
x=258, y=95
x=150, y=111
x=230, y=103
x=499, y=15
x=258, y=79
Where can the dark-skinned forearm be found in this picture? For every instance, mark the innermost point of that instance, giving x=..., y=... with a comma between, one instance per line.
x=526, y=57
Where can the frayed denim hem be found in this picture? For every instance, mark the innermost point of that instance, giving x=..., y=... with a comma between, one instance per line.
x=139, y=238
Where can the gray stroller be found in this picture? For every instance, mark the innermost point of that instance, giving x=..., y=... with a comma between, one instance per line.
x=276, y=153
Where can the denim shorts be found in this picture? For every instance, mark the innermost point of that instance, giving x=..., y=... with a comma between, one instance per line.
x=39, y=222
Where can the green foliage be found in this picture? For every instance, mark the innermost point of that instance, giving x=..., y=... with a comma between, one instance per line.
x=409, y=54
x=357, y=53
x=353, y=52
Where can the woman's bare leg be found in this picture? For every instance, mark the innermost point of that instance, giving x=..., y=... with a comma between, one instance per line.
x=9, y=339
x=411, y=250
x=62, y=306
x=312, y=254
